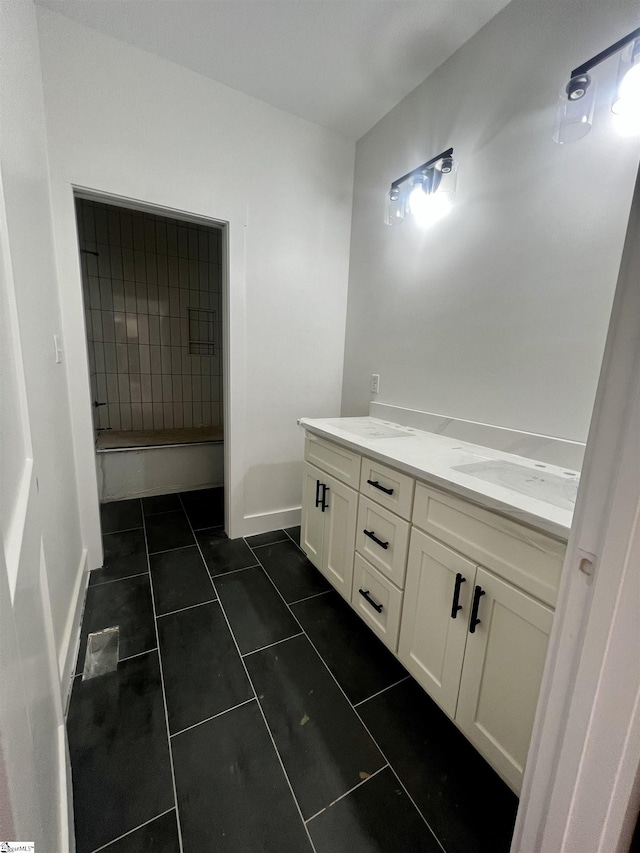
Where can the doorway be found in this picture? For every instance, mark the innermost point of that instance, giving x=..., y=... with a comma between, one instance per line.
x=153, y=292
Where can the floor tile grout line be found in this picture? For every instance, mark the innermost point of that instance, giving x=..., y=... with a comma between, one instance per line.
x=169, y=550
x=286, y=603
x=351, y=790
x=164, y=694
x=213, y=717
x=231, y=571
x=351, y=705
x=384, y=689
x=124, y=530
x=285, y=538
x=77, y=672
x=188, y=607
x=315, y=595
x=255, y=694
x=269, y=645
x=130, y=831
x=112, y=580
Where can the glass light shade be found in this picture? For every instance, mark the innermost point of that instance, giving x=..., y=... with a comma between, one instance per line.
x=395, y=209
x=626, y=103
x=448, y=169
x=574, y=115
x=427, y=208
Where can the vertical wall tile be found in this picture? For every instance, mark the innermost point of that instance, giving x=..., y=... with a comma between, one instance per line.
x=183, y=242
x=124, y=391
x=120, y=320
x=113, y=392
x=163, y=301
x=161, y=237
x=134, y=358
x=96, y=351
x=114, y=415
x=142, y=303
x=151, y=267
x=163, y=269
x=183, y=273
x=187, y=394
x=156, y=362
x=104, y=267
x=103, y=418
x=126, y=233
x=197, y=414
x=167, y=415
x=113, y=224
x=176, y=385
x=187, y=415
x=158, y=420
x=165, y=359
x=96, y=325
x=102, y=231
x=203, y=249
x=143, y=328
x=110, y=358
x=173, y=279
x=139, y=266
x=147, y=415
x=117, y=294
x=135, y=388
x=150, y=234
x=132, y=328
x=186, y=363
x=178, y=416
x=172, y=239
x=194, y=275
x=94, y=293
x=167, y=388
x=176, y=360
x=165, y=331
x=156, y=388
x=130, y=300
x=175, y=331
x=122, y=358
x=153, y=302
x=137, y=223
x=196, y=389
x=206, y=414
x=108, y=328
x=145, y=383
x=88, y=223
x=174, y=302
x=154, y=329
x=128, y=265
x=193, y=244
x=115, y=260
x=136, y=416
x=125, y=416
x=145, y=359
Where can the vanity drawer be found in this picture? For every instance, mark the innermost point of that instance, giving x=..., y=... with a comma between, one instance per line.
x=387, y=487
x=381, y=606
x=388, y=550
x=529, y=559
x=341, y=463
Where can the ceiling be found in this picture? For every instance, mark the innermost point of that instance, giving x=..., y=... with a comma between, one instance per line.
x=342, y=64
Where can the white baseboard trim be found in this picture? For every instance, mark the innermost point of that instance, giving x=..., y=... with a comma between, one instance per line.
x=266, y=521
x=71, y=638
x=65, y=800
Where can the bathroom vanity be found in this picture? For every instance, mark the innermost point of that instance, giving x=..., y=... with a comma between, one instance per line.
x=451, y=553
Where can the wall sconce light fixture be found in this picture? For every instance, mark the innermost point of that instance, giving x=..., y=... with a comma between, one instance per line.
x=574, y=117
x=426, y=193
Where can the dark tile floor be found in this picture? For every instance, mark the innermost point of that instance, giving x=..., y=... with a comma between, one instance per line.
x=253, y=711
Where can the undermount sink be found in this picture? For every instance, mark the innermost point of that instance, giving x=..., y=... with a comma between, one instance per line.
x=363, y=428
x=559, y=490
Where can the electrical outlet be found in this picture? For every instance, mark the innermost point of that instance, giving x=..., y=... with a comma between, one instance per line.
x=375, y=383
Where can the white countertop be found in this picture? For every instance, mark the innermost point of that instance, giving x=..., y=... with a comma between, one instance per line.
x=534, y=493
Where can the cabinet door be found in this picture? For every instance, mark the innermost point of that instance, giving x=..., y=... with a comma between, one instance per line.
x=501, y=676
x=312, y=526
x=432, y=643
x=339, y=535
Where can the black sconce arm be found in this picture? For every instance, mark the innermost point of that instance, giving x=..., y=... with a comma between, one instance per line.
x=605, y=54
x=421, y=169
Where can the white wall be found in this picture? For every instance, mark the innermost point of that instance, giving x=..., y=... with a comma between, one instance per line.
x=498, y=314
x=40, y=544
x=124, y=122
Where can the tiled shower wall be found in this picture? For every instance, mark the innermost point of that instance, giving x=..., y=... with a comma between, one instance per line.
x=141, y=274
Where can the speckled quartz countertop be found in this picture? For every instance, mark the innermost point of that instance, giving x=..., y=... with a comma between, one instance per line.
x=535, y=493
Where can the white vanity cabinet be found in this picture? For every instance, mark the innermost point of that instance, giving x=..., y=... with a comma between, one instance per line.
x=329, y=510
x=462, y=595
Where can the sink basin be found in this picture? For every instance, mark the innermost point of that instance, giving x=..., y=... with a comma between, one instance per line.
x=363, y=428
x=537, y=483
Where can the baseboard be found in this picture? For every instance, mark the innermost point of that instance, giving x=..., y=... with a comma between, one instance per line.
x=71, y=638
x=65, y=800
x=266, y=521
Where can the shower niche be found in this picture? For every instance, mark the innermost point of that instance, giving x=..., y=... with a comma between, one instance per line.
x=152, y=289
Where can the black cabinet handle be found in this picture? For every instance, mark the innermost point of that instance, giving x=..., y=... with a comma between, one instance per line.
x=456, y=596
x=371, y=534
x=376, y=485
x=365, y=594
x=324, y=503
x=317, y=492
x=477, y=595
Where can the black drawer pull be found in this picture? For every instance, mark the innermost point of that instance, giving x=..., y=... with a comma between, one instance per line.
x=324, y=503
x=318, y=484
x=371, y=534
x=365, y=594
x=456, y=596
x=376, y=485
x=477, y=595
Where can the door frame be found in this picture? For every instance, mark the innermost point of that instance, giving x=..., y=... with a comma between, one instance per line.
x=232, y=245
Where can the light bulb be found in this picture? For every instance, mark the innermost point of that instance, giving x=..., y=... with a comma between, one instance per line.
x=428, y=208
x=627, y=100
